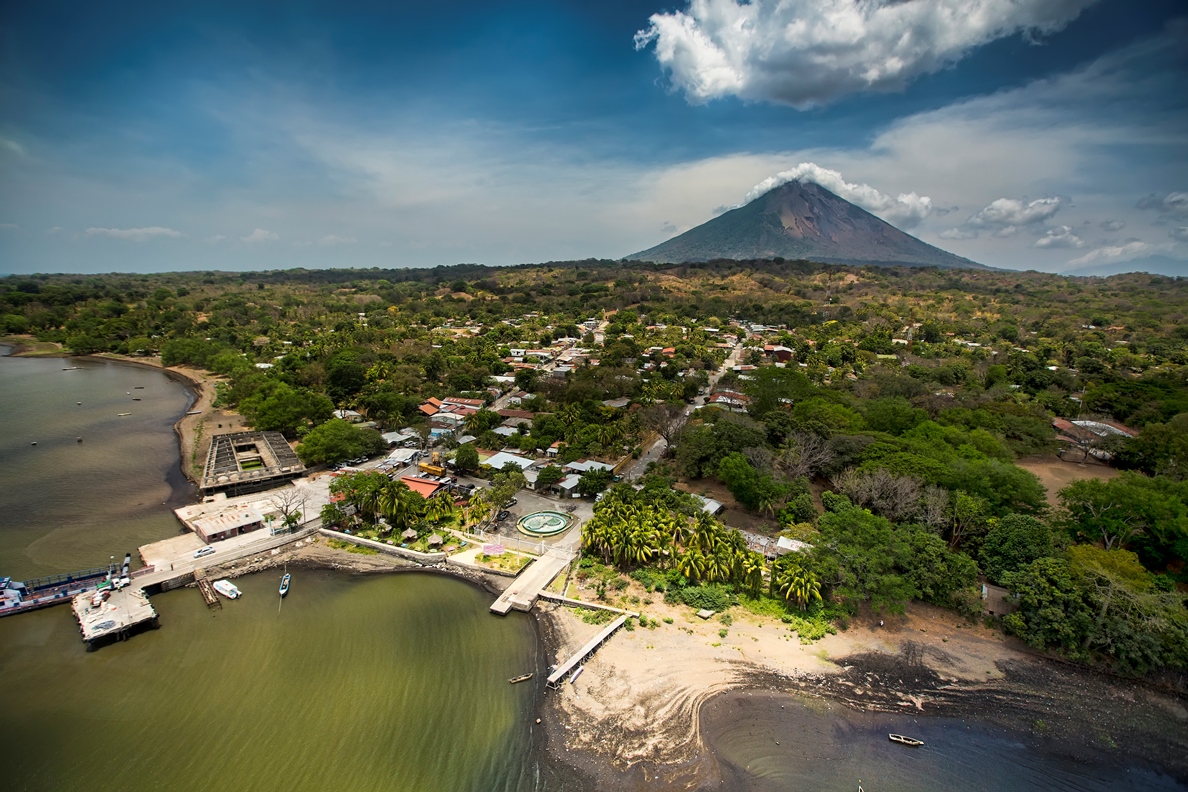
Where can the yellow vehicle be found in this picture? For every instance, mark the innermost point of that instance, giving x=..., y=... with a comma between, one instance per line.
x=433, y=470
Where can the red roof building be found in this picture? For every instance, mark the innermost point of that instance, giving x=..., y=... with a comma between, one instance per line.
x=423, y=487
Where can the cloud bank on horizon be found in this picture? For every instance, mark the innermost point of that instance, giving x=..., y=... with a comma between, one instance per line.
x=1043, y=134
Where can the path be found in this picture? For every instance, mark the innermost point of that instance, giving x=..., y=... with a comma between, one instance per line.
x=225, y=554
x=656, y=450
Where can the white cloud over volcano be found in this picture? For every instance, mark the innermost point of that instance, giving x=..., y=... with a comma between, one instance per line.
x=907, y=210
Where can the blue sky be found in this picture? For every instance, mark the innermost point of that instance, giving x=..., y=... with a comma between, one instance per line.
x=1047, y=134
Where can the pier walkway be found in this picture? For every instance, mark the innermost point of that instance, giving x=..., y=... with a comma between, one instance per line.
x=522, y=593
x=555, y=678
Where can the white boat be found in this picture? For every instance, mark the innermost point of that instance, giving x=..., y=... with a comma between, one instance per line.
x=227, y=589
x=576, y=674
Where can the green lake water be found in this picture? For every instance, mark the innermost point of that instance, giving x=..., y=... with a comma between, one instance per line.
x=66, y=505
x=392, y=682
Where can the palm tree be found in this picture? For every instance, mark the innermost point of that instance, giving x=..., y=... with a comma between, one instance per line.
x=440, y=507
x=367, y=494
x=797, y=583
x=608, y=434
x=400, y=505
x=691, y=564
x=752, y=572
x=475, y=422
x=569, y=414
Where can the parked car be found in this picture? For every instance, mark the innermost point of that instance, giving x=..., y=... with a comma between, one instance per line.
x=512, y=502
x=503, y=515
x=203, y=551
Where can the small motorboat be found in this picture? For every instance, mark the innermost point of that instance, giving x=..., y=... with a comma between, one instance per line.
x=520, y=678
x=284, y=586
x=899, y=738
x=576, y=674
x=122, y=415
x=227, y=589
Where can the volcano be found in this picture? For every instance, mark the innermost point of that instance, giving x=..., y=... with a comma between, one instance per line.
x=801, y=220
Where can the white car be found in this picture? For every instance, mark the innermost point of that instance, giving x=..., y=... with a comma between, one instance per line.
x=203, y=551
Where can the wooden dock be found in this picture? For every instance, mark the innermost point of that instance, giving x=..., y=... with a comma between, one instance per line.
x=206, y=588
x=555, y=678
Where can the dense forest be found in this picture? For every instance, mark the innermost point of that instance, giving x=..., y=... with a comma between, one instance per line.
x=871, y=416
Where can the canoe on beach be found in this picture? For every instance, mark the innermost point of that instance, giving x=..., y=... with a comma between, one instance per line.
x=899, y=738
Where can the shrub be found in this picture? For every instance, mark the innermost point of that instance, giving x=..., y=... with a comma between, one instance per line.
x=714, y=597
x=650, y=579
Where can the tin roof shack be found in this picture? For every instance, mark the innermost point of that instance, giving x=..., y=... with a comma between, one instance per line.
x=217, y=527
x=242, y=462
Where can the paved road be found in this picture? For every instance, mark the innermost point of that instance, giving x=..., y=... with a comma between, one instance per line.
x=657, y=449
x=225, y=554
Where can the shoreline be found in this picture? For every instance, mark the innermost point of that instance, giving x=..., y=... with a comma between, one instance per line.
x=636, y=717
x=199, y=384
x=189, y=428
x=640, y=722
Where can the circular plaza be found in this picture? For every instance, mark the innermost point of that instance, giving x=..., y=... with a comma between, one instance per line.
x=545, y=523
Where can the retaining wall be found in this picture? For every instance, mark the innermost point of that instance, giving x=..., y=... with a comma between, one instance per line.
x=428, y=559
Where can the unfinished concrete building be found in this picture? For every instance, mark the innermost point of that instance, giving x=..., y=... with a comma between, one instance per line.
x=244, y=462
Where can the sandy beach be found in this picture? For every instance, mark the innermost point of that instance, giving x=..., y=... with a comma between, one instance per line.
x=637, y=706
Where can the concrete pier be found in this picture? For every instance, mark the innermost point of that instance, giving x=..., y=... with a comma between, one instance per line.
x=114, y=616
x=522, y=593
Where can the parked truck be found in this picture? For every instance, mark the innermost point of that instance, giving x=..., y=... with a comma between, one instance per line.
x=431, y=469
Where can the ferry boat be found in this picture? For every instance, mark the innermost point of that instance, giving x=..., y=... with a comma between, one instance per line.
x=284, y=586
x=227, y=589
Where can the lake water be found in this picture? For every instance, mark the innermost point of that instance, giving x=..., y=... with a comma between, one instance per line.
x=394, y=682
x=66, y=505
x=768, y=741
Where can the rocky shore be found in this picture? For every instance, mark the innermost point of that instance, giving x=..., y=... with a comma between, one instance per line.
x=315, y=552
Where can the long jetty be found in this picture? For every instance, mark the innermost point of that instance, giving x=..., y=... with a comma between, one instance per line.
x=555, y=678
